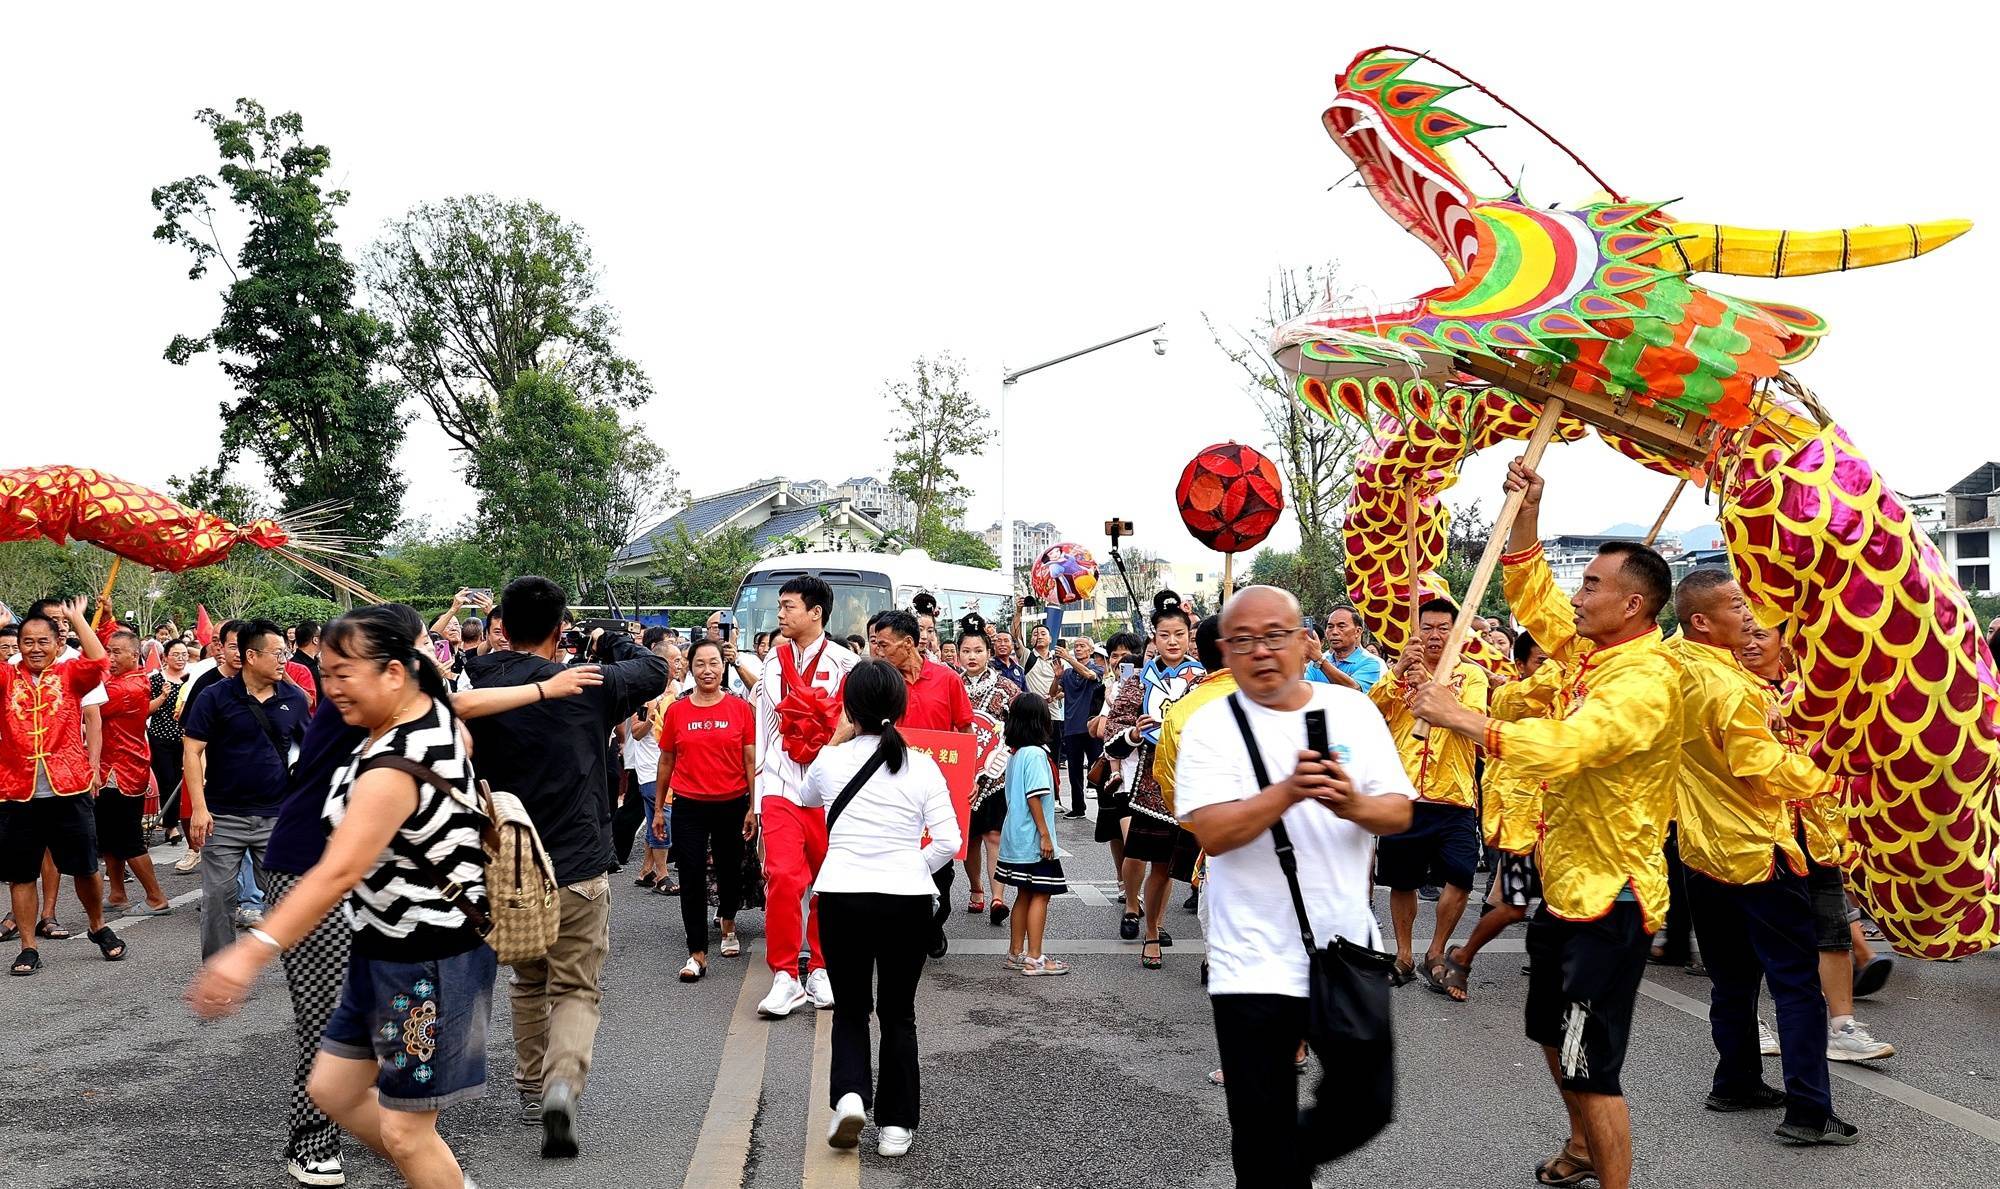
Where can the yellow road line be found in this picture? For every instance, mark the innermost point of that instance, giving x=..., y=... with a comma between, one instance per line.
x=722, y=1151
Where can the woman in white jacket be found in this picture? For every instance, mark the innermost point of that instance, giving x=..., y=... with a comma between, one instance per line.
x=875, y=899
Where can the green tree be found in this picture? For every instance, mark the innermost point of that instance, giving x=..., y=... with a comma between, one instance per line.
x=702, y=573
x=1316, y=455
x=1464, y=542
x=484, y=292
x=290, y=610
x=937, y=423
x=947, y=542
x=563, y=481
x=430, y=566
x=301, y=354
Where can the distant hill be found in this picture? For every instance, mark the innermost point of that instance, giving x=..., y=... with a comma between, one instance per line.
x=1702, y=536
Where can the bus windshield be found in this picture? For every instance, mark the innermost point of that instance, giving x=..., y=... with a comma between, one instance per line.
x=856, y=597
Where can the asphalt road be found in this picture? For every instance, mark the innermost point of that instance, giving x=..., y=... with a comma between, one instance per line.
x=1095, y=1081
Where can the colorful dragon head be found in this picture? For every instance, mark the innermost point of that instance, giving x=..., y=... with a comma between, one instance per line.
x=1598, y=294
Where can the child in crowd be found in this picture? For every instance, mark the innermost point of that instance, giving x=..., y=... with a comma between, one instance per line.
x=1027, y=847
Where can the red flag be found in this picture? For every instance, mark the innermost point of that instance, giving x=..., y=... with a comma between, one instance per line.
x=203, y=630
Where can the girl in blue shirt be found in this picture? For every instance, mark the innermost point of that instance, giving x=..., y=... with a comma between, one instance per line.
x=1027, y=845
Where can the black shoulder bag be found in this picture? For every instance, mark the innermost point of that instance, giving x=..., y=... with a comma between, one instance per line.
x=1347, y=1016
x=853, y=786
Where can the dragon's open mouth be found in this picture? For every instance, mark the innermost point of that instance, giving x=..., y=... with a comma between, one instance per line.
x=1360, y=317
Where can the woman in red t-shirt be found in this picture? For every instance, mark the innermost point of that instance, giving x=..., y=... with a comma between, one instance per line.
x=708, y=763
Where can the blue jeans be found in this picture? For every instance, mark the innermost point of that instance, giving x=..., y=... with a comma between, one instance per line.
x=422, y=1023
x=248, y=894
x=655, y=841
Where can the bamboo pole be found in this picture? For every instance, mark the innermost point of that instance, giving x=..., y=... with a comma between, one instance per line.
x=1662, y=521
x=99, y=617
x=1410, y=561
x=1228, y=576
x=1496, y=544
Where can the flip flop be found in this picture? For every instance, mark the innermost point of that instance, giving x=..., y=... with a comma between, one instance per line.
x=143, y=909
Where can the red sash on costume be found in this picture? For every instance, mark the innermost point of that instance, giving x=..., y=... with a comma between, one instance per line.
x=807, y=714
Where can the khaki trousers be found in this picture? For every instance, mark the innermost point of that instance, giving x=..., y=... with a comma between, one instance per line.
x=556, y=997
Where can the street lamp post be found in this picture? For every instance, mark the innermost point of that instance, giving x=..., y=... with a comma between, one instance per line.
x=1007, y=382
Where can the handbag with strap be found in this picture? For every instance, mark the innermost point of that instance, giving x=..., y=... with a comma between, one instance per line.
x=523, y=913
x=1348, y=984
x=263, y=718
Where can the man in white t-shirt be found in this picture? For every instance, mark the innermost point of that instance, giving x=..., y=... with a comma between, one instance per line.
x=1333, y=807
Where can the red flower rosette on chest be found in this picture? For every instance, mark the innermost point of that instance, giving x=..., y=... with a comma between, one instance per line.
x=807, y=714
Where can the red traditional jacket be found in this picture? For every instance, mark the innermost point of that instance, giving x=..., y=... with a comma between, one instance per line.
x=41, y=725
x=126, y=758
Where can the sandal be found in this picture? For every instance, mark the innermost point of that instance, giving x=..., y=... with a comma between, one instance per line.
x=976, y=905
x=52, y=929
x=1157, y=960
x=9, y=931
x=1434, y=973
x=1453, y=983
x=730, y=946
x=29, y=961
x=645, y=881
x=1403, y=974
x=1565, y=1168
x=666, y=887
x=106, y=941
x=692, y=972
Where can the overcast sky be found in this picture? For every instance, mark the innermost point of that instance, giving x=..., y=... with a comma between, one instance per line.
x=790, y=203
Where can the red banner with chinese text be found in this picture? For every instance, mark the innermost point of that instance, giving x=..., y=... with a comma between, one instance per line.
x=957, y=755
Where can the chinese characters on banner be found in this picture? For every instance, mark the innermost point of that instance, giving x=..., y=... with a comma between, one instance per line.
x=957, y=756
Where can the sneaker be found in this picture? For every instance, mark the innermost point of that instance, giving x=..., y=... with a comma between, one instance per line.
x=247, y=918
x=1767, y=1041
x=1427, y=892
x=189, y=861
x=1851, y=1042
x=895, y=1141
x=820, y=988
x=786, y=997
x=849, y=1117
x=1763, y=1098
x=325, y=1171
x=1044, y=965
x=559, y=1121
x=731, y=947
x=531, y=1109
x=1837, y=1133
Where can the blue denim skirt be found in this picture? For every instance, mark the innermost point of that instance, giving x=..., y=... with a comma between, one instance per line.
x=422, y=1023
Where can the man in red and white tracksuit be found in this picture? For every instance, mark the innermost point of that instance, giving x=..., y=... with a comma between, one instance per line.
x=798, y=707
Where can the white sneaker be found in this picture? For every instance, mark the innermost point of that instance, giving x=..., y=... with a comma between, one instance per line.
x=1852, y=1043
x=820, y=988
x=731, y=946
x=189, y=861
x=786, y=997
x=849, y=1116
x=895, y=1141
x=316, y=1172
x=1767, y=1042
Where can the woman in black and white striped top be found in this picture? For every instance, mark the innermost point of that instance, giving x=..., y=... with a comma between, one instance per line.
x=409, y=1035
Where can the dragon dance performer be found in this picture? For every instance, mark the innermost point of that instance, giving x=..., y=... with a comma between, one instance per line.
x=1822, y=836
x=1610, y=764
x=1442, y=844
x=1157, y=846
x=1746, y=871
x=126, y=770
x=798, y=706
x=1511, y=809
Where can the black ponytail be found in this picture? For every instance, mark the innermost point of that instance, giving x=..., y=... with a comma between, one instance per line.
x=391, y=633
x=876, y=697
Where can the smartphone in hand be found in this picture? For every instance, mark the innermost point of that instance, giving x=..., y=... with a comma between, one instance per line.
x=1316, y=733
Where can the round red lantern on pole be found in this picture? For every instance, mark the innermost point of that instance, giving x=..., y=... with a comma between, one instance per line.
x=1230, y=497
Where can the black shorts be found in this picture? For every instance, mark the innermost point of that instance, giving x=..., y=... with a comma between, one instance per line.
x=121, y=830
x=1828, y=890
x=1583, y=981
x=1441, y=846
x=1110, y=812
x=1518, y=878
x=65, y=827
x=1151, y=840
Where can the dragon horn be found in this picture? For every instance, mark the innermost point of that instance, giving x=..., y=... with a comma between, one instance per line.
x=1757, y=252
